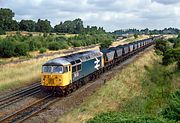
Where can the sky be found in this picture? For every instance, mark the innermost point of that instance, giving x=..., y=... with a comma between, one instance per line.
x=110, y=14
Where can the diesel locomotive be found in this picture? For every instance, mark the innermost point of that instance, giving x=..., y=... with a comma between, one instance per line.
x=65, y=74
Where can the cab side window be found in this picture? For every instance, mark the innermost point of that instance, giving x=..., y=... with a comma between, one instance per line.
x=65, y=69
x=74, y=69
x=79, y=67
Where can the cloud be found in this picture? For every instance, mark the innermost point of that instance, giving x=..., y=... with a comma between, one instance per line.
x=107, y=13
x=167, y=1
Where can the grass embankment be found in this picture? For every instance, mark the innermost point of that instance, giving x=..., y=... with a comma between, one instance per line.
x=16, y=75
x=158, y=101
x=126, y=92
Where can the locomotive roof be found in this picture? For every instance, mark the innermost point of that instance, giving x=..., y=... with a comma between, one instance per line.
x=77, y=57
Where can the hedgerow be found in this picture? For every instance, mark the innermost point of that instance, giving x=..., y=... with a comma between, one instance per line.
x=19, y=45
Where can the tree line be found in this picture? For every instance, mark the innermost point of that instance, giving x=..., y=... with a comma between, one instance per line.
x=7, y=23
x=147, y=31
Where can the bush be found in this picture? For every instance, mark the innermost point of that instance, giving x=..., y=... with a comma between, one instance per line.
x=54, y=46
x=34, y=45
x=7, y=49
x=60, y=38
x=45, y=34
x=162, y=45
x=42, y=50
x=115, y=117
x=172, y=55
x=135, y=36
x=172, y=111
x=12, y=48
x=2, y=32
x=63, y=45
x=77, y=43
x=21, y=49
x=105, y=43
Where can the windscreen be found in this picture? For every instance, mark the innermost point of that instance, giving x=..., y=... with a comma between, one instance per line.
x=57, y=69
x=47, y=69
x=52, y=69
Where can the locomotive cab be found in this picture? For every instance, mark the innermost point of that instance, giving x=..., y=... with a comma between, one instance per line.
x=62, y=74
x=56, y=74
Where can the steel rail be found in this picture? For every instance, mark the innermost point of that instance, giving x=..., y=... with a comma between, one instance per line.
x=30, y=110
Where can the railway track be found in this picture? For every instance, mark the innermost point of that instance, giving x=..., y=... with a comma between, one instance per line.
x=18, y=95
x=30, y=110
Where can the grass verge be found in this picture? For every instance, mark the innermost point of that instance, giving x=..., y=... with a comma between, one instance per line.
x=158, y=102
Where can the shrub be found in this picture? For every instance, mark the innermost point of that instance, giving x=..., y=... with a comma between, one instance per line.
x=161, y=45
x=63, y=45
x=115, y=117
x=60, y=38
x=2, y=32
x=177, y=43
x=30, y=34
x=172, y=55
x=21, y=49
x=77, y=43
x=54, y=46
x=12, y=48
x=135, y=36
x=45, y=34
x=172, y=111
x=42, y=50
x=105, y=43
x=34, y=45
x=7, y=49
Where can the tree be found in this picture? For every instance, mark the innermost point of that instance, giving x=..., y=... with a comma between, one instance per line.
x=27, y=25
x=75, y=27
x=6, y=20
x=78, y=28
x=105, y=43
x=162, y=45
x=59, y=28
x=172, y=55
x=43, y=26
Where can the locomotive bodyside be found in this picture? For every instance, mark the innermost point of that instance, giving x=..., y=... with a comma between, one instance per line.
x=61, y=72
x=89, y=64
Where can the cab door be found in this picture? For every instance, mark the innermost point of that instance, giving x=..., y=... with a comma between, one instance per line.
x=70, y=73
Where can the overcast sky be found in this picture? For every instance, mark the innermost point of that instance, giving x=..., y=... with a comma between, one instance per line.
x=110, y=14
